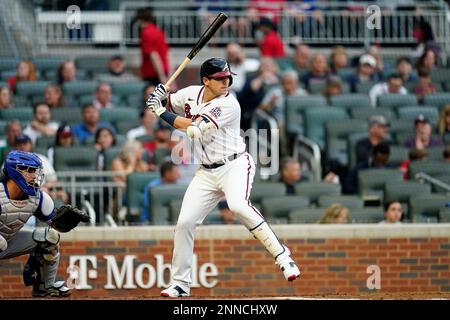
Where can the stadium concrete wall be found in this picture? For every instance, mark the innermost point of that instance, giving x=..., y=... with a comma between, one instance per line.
x=334, y=259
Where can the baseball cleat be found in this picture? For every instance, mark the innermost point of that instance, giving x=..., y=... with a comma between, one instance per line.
x=288, y=266
x=175, y=291
x=57, y=290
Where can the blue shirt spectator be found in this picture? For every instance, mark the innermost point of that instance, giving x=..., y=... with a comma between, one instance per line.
x=90, y=124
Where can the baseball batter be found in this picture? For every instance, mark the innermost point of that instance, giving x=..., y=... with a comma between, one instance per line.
x=20, y=198
x=211, y=118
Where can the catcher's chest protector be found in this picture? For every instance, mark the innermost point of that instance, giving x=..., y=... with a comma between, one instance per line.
x=15, y=213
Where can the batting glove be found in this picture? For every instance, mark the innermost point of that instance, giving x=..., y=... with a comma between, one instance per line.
x=160, y=92
x=155, y=105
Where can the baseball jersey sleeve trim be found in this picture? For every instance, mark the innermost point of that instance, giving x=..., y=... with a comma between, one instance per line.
x=211, y=119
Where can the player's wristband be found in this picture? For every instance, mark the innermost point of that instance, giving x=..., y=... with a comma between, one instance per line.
x=168, y=117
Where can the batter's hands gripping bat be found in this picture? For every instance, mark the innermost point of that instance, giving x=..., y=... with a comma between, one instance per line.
x=207, y=35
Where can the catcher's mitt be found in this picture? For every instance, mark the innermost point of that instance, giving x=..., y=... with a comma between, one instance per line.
x=68, y=217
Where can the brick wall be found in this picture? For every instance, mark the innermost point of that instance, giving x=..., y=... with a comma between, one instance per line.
x=329, y=264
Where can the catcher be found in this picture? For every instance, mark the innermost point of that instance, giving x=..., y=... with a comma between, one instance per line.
x=20, y=198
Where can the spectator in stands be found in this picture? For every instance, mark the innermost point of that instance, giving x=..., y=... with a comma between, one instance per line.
x=425, y=85
x=291, y=174
x=413, y=155
x=227, y=216
x=40, y=125
x=423, y=138
x=375, y=51
x=89, y=124
x=301, y=57
x=405, y=69
x=428, y=60
x=129, y=160
x=103, y=96
x=169, y=174
x=379, y=159
x=148, y=123
x=336, y=213
x=255, y=88
x=12, y=130
x=446, y=154
x=378, y=132
x=5, y=98
x=53, y=96
x=392, y=213
x=444, y=121
x=25, y=72
x=67, y=72
x=393, y=85
x=154, y=49
x=63, y=138
x=338, y=59
x=104, y=139
x=240, y=65
x=333, y=87
x=365, y=72
x=23, y=143
x=268, y=40
x=318, y=72
x=116, y=71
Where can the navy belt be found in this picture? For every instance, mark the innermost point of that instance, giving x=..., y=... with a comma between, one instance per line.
x=219, y=164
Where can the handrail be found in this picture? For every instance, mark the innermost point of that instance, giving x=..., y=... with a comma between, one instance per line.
x=316, y=166
x=434, y=181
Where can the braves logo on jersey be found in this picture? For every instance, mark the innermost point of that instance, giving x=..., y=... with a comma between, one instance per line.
x=187, y=111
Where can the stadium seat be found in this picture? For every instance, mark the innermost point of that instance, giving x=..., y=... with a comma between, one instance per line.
x=160, y=216
x=316, y=118
x=439, y=75
x=351, y=101
x=366, y=215
x=161, y=196
x=114, y=115
x=306, y=215
x=44, y=63
x=337, y=133
x=145, y=138
x=364, y=87
x=439, y=100
x=79, y=88
x=402, y=191
x=411, y=113
x=263, y=190
x=295, y=107
x=352, y=140
x=174, y=210
x=344, y=73
x=3, y=84
x=31, y=88
x=125, y=89
x=394, y=101
x=371, y=182
x=135, y=101
x=397, y=126
x=430, y=167
x=279, y=207
x=20, y=101
x=124, y=126
x=161, y=154
x=435, y=153
x=444, y=215
x=92, y=64
x=136, y=183
x=66, y=114
x=9, y=63
x=75, y=158
x=313, y=190
x=445, y=178
x=111, y=154
x=45, y=142
x=24, y=114
x=366, y=113
x=398, y=154
x=88, y=98
x=425, y=208
x=345, y=200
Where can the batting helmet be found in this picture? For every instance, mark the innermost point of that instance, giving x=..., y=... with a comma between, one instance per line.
x=216, y=68
x=25, y=169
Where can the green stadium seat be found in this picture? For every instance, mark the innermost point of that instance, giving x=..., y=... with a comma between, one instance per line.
x=425, y=208
x=401, y=126
x=111, y=154
x=79, y=88
x=445, y=178
x=306, y=215
x=114, y=115
x=398, y=154
x=345, y=200
x=440, y=75
x=313, y=190
x=344, y=73
x=3, y=84
x=337, y=134
x=44, y=142
x=135, y=101
x=75, y=158
x=316, y=118
x=444, y=215
x=128, y=88
x=431, y=167
x=145, y=138
x=9, y=63
x=31, y=88
x=161, y=196
x=371, y=182
x=45, y=63
x=88, y=98
x=439, y=100
x=124, y=126
x=435, y=153
x=411, y=113
x=295, y=107
x=352, y=140
x=402, y=191
x=277, y=208
x=366, y=113
x=351, y=101
x=93, y=64
x=23, y=114
x=262, y=190
x=136, y=183
x=66, y=114
x=174, y=210
x=394, y=101
x=364, y=87
x=366, y=215
x=161, y=154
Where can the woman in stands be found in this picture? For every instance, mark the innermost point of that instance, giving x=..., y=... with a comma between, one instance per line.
x=444, y=121
x=53, y=96
x=392, y=212
x=67, y=72
x=104, y=139
x=25, y=72
x=336, y=213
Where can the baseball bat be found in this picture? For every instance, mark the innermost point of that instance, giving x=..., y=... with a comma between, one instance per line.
x=206, y=36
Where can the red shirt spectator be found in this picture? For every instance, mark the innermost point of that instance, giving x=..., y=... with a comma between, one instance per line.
x=154, y=50
x=272, y=45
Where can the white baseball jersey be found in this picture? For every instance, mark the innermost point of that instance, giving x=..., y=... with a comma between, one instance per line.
x=223, y=111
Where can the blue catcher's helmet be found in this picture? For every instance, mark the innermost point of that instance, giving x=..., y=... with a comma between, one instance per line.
x=25, y=169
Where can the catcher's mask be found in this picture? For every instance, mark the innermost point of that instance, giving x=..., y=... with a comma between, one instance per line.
x=25, y=169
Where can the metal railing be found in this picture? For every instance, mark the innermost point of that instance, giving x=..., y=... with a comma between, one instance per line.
x=308, y=152
x=184, y=22
x=422, y=176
